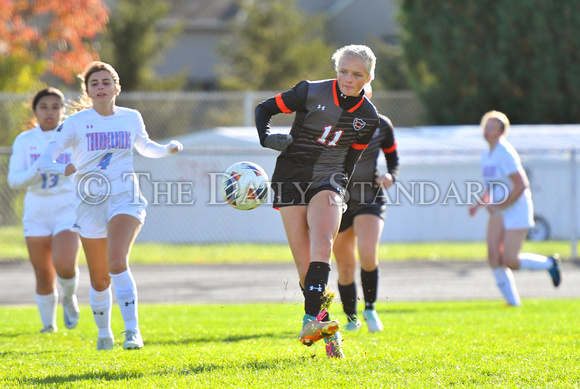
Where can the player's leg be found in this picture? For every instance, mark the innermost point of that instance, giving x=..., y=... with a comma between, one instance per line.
x=369, y=228
x=495, y=247
x=122, y=232
x=65, y=254
x=101, y=297
x=40, y=253
x=323, y=217
x=294, y=220
x=344, y=250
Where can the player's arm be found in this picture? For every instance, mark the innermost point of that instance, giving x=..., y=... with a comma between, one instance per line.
x=480, y=203
x=47, y=161
x=389, y=148
x=287, y=102
x=19, y=176
x=149, y=148
x=519, y=184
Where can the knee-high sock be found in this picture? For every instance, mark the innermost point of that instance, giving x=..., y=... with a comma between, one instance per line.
x=101, y=303
x=47, y=304
x=531, y=261
x=370, y=283
x=348, y=298
x=507, y=285
x=69, y=285
x=126, y=293
x=315, y=284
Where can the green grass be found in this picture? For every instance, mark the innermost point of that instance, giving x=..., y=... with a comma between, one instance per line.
x=460, y=344
x=13, y=247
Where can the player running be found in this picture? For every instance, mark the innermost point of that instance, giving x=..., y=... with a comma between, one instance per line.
x=511, y=213
x=334, y=123
x=362, y=224
x=110, y=209
x=48, y=213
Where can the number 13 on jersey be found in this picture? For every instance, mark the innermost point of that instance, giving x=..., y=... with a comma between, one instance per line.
x=324, y=138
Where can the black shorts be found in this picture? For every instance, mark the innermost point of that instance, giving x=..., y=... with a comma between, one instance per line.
x=354, y=209
x=287, y=194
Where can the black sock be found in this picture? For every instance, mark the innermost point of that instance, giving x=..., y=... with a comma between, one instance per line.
x=348, y=298
x=370, y=281
x=315, y=284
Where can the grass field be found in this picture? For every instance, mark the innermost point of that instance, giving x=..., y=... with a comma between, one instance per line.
x=460, y=344
x=13, y=247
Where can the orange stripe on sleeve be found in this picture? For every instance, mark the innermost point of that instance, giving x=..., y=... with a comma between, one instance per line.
x=281, y=104
x=358, y=146
x=390, y=149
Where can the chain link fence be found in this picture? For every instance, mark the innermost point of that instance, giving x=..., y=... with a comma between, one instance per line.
x=429, y=203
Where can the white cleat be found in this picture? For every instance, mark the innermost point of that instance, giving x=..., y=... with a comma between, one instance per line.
x=71, y=311
x=133, y=340
x=373, y=321
x=105, y=343
x=48, y=330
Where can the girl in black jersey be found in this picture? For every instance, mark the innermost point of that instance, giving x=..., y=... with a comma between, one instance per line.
x=333, y=125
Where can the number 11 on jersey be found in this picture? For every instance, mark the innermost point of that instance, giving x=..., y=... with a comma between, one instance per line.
x=324, y=137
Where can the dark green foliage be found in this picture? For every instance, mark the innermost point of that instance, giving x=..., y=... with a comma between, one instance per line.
x=273, y=46
x=133, y=43
x=521, y=57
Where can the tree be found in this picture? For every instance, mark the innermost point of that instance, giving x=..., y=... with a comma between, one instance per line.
x=391, y=72
x=40, y=35
x=522, y=57
x=273, y=46
x=133, y=42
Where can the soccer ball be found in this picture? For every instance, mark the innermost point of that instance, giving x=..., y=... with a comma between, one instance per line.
x=245, y=185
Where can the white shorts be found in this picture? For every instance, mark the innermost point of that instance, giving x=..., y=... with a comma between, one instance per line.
x=48, y=215
x=92, y=219
x=519, y=215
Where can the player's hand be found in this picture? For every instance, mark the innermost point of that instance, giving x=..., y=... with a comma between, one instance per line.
x=385, y=181
x=175, y=147
x=473, y=210
x=278, y=141
x=70, y=169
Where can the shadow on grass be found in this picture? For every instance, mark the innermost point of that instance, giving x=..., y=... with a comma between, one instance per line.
x=216, y=338
x=202, y=368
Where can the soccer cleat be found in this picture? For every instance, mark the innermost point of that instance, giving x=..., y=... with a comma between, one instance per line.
x=314, y=328
x=334, y=346
x=373, y=321
x=105, y=343
x=133, y=340
x=71, y=311
x=556, y=271
x=353, y=324
x=48, y=330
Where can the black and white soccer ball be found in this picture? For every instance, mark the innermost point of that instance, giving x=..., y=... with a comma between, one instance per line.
x=245, y=185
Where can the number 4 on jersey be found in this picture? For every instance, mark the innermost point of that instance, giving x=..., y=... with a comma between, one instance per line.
x=105, y=161
x=324, y=137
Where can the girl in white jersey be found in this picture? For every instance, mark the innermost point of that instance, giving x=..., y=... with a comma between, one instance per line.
x=48, y=213
x=110, y=209
x=508, y=200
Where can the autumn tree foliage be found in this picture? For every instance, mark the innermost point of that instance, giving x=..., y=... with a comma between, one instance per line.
x=48, y=35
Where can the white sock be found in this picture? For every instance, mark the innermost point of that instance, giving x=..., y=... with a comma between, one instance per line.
x=531, y=261
x=47, y=304
x=69, y=285
x=126, y=293
x=507, y=285
x=101, y=303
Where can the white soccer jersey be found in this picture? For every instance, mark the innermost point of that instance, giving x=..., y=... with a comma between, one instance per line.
x=104, y=145
x=23, y=174
x=497, y=167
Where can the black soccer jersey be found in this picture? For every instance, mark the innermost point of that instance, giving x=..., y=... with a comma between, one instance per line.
x=363, y=187
x=330, y=131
